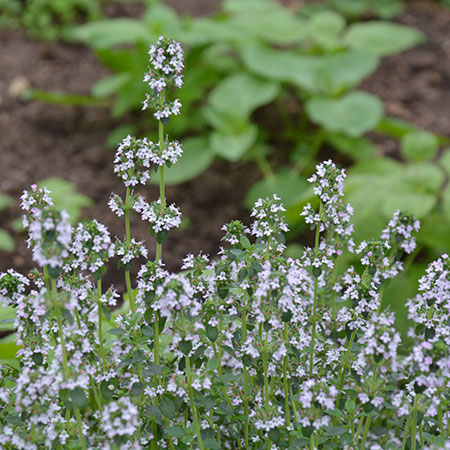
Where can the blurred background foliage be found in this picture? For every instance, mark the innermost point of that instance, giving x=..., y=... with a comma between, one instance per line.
x=277, y=87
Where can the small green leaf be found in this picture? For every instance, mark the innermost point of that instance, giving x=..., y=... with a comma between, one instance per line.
x=167, y=407
x=212, y=444
x=274, y=435
x=176, y=432
x=212, y=332
x=37, y=358
x=154, y=368
x=350, y=404
x=78, y=398
x=325, y=28
x=185, y=347
x=137, y=389
x=212, y=364
x=107, y=389
x=116, y=331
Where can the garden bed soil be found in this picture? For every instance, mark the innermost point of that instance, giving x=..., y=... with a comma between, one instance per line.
x=40, y=140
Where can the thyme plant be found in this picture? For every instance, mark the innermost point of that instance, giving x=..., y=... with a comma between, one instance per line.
x=247, y=350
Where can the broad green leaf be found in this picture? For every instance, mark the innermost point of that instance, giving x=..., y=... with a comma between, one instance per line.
x=446, y=204
x=325, y=27
x=207, y=30
x=382, y=38
x=196, y=158
x=434, y=231
x=267, y=20
x=444, y=160
x=376, y=189
x=5, y=201
x=66, y=197
x=419, y=146
x=242, y=93
x=359, y=149
x=8, y=350
x=110, y=85
x=282, y=65
x=7, y=316
x=288, y=185
x=110, y=32
x=6, y=241
x=353, y=114
x=315, y=74
x=233, y=146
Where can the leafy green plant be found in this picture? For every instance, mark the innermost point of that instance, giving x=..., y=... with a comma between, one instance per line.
x=45, y=19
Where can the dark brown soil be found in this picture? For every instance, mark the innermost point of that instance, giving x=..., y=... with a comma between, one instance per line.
x=39, y=140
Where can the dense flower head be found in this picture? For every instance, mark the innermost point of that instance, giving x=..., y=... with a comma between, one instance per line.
x=160, y=219
x=269, y=223
x=12, y=287
x=119, y=418
x=91, y=247
x=50, y=235
x=166, y=64
x=234, y=231
x=332, y=219
x=431, y=306
x=34, y=200
x=128, y=252
x=379, y=343
x=132, y=161
x=399, y=231
x=116, y=204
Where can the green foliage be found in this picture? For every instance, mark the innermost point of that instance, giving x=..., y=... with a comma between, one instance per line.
x=66, y=197
x=46, y=19
x=6, y=240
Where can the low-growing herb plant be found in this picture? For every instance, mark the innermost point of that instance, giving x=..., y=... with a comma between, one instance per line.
x=250, y=350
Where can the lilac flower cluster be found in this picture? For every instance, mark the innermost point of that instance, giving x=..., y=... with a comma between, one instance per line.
x=49, y=230
x=159, y=218
x=166, y=64
x=91, y=247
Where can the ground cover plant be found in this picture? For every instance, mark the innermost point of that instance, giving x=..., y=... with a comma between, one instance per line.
x=303, y=69
x=248, y=350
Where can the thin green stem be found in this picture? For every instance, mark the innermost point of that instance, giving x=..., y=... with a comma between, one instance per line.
x=316, y=290
x=162, y=195
x=366, y=430
x=191, y=401
x=345, y=366
x=100, y=323
x=266, y=376
x=285, y=379
x=406, y=433
x=246, y=410
x=128, y=241
x=414, y=424
x=57, y=309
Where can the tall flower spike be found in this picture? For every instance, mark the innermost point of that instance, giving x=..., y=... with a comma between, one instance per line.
x=166, y=64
